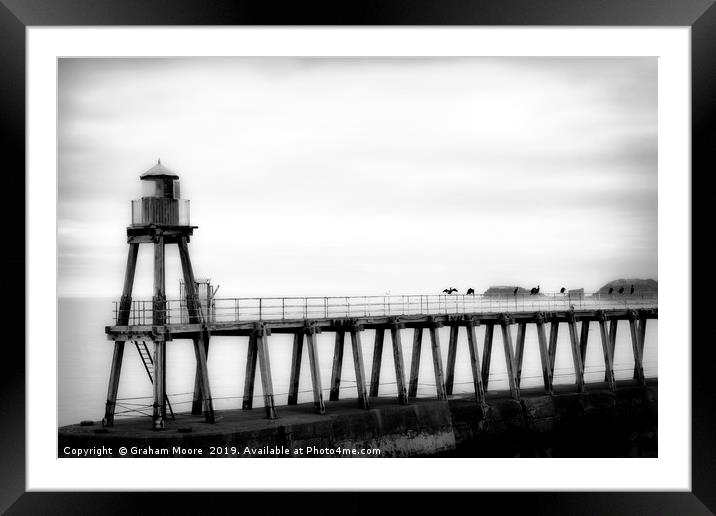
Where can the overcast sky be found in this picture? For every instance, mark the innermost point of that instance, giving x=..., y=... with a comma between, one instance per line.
x=316, y=176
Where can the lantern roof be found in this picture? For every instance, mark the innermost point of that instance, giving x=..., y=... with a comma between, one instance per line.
x=158, y=170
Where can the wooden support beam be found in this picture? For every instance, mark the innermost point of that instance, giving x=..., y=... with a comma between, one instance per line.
x=437, y=362
x=359, y=368
x=613, y=324
x=200, y=345
x=399, y=367
x=415, y=362
x=197, y=403
x=553, y=334
x=544, y=356
x=159, y=406
x=265, y=368
x=296, y=368
x=641, y=334
x=520, y=349
x=452, y=353
x=125, y=305
x=337, y=366
x=576, y=355
x=638, y=359
x=377, y=361
x=583, y=338
x=475, y=364
x=608, y=359
x=250, y=377
x=510, y=358
x=315, y=372
x=487, y=354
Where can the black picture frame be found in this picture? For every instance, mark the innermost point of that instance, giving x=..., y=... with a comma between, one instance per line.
x=17, y=15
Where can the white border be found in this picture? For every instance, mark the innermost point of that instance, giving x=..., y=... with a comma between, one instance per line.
x=670, y=471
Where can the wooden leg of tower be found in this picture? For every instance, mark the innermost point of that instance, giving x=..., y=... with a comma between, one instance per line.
x=196, y=404
x=520, y=349
x=295, y=368
x=475, y=364
x=207, y=403
x=377, y=361
x=122, y=319
x=399, y=366
x=159, y=411
x=487, y=354
x=576, y=355
x=452, y=353
x=608, y=359
x=544, y=357
x=337, y=366
x=266, y=381
x=315, y=373
x=415, y=362
x=437, y=363
x=359, y=369
x=510, y=360
x=250, y=377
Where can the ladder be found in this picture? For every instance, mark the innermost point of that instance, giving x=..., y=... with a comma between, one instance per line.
x=146, y=357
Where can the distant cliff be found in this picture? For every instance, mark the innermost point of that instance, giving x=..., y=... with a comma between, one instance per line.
x=641, y=286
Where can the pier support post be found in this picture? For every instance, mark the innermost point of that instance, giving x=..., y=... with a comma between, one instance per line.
x=612, y=339
x=377, y=361
x=641, y=333
x=125, y=306
x=576, y=353
x=638, y=358
x=520, y=349
x=475, y=361
x=398, y=361
x=250, y=377
x=358, y=364
x=544, y=354
x=415, y=362
x=505, y=323
x=553, y=334
x=437, y=360
x=452, y=354
x=311, y=331
x=608, y=358
x=262, y=334
x=487, y=354
x=196, y=404
x=583, y=338
x=337, y=366
x=296, y=369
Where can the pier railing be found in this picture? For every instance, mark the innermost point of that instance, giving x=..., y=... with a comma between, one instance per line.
x=291, y=308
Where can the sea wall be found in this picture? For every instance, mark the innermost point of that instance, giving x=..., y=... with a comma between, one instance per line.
x=598, y=423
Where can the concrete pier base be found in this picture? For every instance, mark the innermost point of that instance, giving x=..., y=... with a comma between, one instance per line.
x=596, y=423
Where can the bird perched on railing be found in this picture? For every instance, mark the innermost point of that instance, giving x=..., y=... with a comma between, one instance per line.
x=621, y=290
x=611, y=289
x=471, y=292
x=534, y=291
x=514, y=292
x=449, y=290
x=631, y=291
x=562, y=290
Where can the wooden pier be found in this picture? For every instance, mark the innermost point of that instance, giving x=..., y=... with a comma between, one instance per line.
x=162, y=321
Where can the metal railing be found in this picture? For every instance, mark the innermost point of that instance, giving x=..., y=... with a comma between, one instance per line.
x=287, y=308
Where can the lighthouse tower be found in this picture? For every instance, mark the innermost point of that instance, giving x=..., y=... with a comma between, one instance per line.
x=161, y=217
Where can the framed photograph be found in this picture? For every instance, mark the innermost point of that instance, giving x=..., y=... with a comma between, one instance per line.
x=407, y=240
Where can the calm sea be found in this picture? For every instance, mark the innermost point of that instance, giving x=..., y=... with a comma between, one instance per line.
x=85, y=355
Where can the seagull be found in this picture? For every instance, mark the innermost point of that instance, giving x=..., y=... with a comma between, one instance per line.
x=611, y=289
x=632, y=290
x=514, y=292
x=621, y=290
x=471, y=292
x=562, y=290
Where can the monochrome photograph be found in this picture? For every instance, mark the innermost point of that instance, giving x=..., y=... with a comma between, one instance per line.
x=357, y=257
